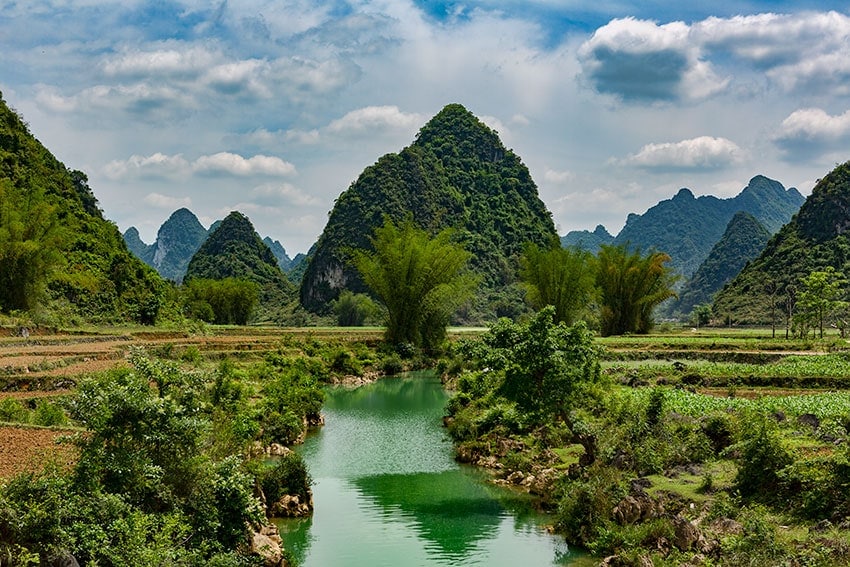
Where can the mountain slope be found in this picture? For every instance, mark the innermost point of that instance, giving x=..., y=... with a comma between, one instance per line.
x=235, y=250
x=283, y=259
x=815, y=238
x=177, y=240
x=586, y=240
x=95, y=273
x=686, y=227
x=744, y=239
x=456, y=174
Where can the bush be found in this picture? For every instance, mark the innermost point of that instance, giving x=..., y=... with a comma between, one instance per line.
x=13, y=410
x=48, y=414
x=288, y=476
x=762, y=457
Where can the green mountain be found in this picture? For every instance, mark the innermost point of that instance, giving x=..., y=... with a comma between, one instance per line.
x=686, y=227
x=235, y=250
x=815, y=238
x=142, y=251
x=744, y=239
x=455, y=174
x=586, y=240
x=52, y=232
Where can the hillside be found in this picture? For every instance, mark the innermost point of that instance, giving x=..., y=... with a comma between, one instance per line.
x=55, y=244
x=456, y=174
x=586, y=240
x=177, y=240
x=686, y=227
x=815, y=238
x=744, y=239
x=234, y=249
x=283, y=259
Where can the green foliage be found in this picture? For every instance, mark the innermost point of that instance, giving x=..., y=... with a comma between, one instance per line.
x=14, y=411
x=85, y=263
x=543, y=363
x=743, y=241
x=631, y=286
x=820, y=296
x=812, y=241
x=177, y=240
x=762, y=458
x=289, y=476
x=229, y=301
x=291, y=395
x=561, y=277
x=457, y=174
x=235, y=250
x=353, y=309
x=419, y=280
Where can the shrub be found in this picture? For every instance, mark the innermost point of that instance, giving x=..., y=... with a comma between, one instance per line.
x=288, y=476
x=762, y=457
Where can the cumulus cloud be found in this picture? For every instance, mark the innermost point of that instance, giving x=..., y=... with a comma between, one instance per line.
x=639, y=60
x=162, y=165
x=372, y=118
x=234, y=164
x=812, y=131
x=283, y=193
x=704, y=152
x=161, y=201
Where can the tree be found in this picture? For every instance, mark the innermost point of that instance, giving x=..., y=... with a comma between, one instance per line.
x=28, y=246
x=631, y=286
x=224, y=302
x=418, y=279
x=543, y=362
x=561, y=277
x=821, y=296
x=353, y=309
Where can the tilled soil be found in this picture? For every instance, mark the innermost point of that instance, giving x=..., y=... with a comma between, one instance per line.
x=28, y=449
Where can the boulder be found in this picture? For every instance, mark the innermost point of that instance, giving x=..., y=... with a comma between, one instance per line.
x=687, y=534
x=269, y=550
x=291, y=506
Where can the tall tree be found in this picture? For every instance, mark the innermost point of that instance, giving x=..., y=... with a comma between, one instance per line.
x=418, y=279
x=631, y=286
x=821, y=296
x=561, y=277
x=28, y=238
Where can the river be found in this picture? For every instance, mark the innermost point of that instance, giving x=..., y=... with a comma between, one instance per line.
x=387, y=491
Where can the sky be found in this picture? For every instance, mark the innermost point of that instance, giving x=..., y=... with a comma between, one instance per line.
x=274, y=107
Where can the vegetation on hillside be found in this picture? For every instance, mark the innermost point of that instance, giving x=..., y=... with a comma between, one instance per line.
x=53, y=237
x=743, y=241
x=457, y=174
x=767, y=288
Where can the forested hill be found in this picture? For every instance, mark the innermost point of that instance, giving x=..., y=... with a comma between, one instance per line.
x=456, y=174
x=235, y=250
x=817, y=237
x=686, y=227
x=744, y=239
x=177, y=240
x=586, y=240
x=55, y=245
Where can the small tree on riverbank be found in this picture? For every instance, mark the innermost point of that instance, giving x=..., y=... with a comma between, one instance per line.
x=420, y=281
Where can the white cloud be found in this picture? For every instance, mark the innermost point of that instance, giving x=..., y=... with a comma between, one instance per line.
x=811, y=131
x=161, y=201
x=371, y=118
x=163, y=165
x=234, y=164
x=284, y=193
x=558, y=177
x=704, y=152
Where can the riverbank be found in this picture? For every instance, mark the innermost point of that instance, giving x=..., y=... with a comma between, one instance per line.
x=643, y=469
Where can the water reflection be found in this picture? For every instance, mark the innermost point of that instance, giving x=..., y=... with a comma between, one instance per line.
x=389, y=493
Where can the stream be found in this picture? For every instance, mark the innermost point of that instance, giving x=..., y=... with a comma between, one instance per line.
x=388, y=492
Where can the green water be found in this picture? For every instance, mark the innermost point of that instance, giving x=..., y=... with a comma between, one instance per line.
x=387, y=491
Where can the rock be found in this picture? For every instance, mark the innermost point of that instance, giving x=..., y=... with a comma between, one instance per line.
x=618, y=561
x=266, y=548
x=687, y=534
x=277, y=450
x=290, y=506
x=628, y=511
x=727, y=526
x=822, y=526
x=64, y=559
x=809, y=419
x=516, y=477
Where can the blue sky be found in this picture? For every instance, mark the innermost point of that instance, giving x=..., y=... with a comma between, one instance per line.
x=273, y=107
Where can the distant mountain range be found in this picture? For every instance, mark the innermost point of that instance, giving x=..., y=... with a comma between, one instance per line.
x=180, y=237
x=816, y=238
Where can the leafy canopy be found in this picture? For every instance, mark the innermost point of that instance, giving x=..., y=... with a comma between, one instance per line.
x=631, y=286
x=418, y=279
x=561, y=277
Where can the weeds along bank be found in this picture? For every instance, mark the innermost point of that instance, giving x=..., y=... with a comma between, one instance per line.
x=170, y=455
x=640, y=466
